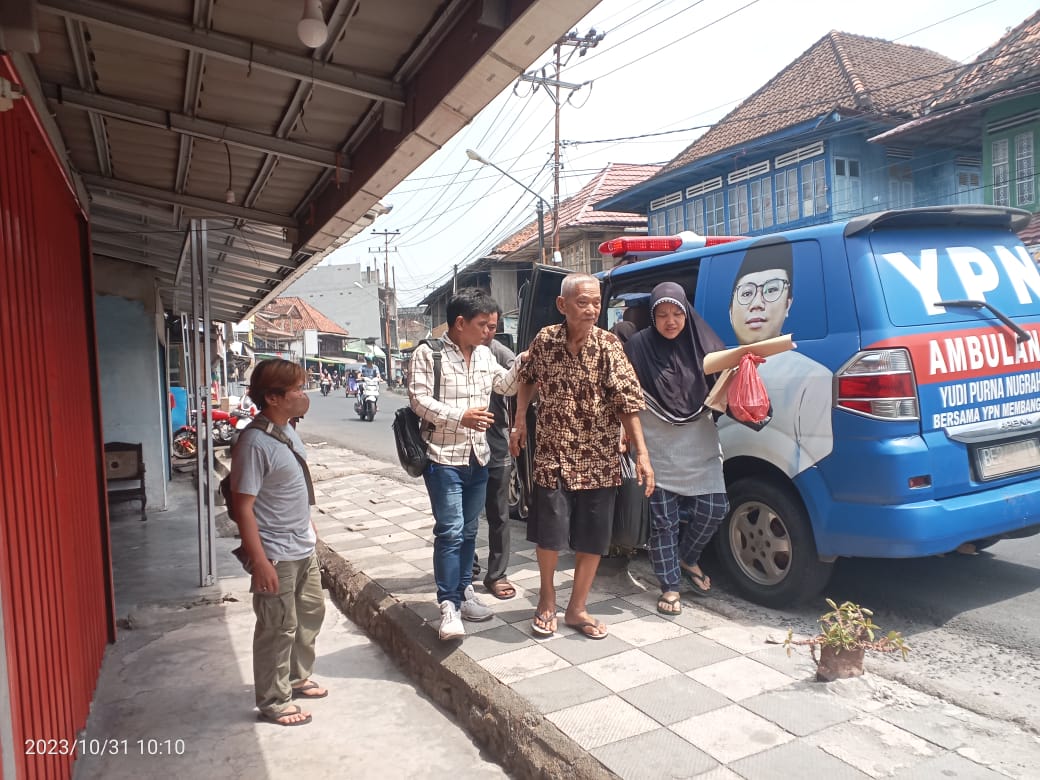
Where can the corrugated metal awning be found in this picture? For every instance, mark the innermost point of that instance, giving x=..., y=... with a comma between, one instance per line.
x=168, y=110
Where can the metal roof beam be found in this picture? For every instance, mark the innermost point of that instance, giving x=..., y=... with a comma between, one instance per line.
x=152, y=116
x=244, y=270
x=151, y=246
x=342, y=12
x=203, y=205
x=158, y=216
x=85, y=75
x=227, y=47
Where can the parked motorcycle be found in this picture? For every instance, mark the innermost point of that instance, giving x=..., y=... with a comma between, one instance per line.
x=185, y=439
x=367, y=402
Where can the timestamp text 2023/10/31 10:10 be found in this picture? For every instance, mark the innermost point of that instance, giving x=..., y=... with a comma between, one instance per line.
x=105, y=747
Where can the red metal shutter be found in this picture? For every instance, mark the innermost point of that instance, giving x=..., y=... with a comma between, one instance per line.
x=55, y=571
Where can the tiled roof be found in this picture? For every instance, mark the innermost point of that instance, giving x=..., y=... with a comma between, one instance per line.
x=577, y=210
x=1011, y=62
x=295, y=314
x=841, y=71
x=1030, y=234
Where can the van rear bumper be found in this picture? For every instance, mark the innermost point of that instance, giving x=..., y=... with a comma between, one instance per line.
x=915, y=529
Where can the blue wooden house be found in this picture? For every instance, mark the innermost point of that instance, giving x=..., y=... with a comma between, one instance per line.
x=991, y=108
x=797, y=151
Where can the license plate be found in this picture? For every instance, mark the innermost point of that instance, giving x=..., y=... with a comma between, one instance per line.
x=1013, y=457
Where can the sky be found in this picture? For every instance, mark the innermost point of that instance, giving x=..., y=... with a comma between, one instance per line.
x=664, y=71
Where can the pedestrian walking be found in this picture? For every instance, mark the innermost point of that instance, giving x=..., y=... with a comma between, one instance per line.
x=500, y=469
x=456, y=419
x=588, y=392
x=689, y=498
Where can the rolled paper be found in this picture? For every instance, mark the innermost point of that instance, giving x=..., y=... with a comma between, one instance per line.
x=730, y=358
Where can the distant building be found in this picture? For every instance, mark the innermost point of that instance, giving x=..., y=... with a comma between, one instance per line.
x=797, y=152
x=290, y=328
x=351, y=296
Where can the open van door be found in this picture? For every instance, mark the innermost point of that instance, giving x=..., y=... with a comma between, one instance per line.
x=537, y=310
x=538, y=302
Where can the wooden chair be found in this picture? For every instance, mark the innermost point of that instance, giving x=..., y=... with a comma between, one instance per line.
x=124, y=471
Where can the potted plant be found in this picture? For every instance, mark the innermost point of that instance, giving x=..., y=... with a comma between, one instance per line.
x=846, y=632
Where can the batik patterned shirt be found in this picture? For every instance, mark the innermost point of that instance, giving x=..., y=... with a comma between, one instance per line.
x=580, y=400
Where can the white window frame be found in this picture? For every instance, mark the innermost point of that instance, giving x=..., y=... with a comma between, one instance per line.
x=848, y=185
x=786, y=196
x=1000, y=168
x=738, y=215
x=695, y=216
x=715, y=214
x=1025, y=169
x=762, y=203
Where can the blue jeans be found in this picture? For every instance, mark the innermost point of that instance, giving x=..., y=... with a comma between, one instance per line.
x=457, y=495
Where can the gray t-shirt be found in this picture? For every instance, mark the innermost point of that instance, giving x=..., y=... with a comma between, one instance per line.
x=264, y=467
x=687, y=459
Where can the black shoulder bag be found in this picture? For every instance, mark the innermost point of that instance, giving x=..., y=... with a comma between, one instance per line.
x=411, y=446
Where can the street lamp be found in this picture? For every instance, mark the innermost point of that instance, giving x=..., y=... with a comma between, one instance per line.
x=476, y=156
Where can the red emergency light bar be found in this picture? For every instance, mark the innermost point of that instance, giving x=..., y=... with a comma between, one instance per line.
x=654, y=246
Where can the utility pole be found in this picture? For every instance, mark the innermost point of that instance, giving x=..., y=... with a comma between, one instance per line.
x=389, y=296
x=580, y=45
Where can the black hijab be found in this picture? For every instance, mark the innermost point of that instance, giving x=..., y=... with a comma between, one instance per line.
x=671, y=371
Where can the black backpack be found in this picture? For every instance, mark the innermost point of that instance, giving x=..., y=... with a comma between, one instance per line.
x=411, y=446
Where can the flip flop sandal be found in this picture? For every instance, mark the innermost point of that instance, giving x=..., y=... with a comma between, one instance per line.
x=671, y=607
x=548, y=620
x=273, y=717
x=697, y=581
x=599, y=629
x=301, y=692
x=501, y=589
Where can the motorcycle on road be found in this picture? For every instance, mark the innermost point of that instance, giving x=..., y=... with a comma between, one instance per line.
x=367, y=403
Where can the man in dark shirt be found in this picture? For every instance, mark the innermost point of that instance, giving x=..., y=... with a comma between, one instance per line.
x=496, y=506
x=588, y=392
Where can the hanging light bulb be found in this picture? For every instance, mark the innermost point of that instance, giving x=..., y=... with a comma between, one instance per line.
x=311, y=27
x=229, y=193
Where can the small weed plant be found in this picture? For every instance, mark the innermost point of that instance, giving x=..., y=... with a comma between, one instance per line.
x=849, y=626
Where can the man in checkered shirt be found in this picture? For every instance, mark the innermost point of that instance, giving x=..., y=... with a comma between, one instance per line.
x=455, y=424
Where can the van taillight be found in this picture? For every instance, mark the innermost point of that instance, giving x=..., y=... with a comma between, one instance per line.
x=879, y=383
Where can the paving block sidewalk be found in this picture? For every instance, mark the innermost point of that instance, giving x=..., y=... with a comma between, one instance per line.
x=698, y=695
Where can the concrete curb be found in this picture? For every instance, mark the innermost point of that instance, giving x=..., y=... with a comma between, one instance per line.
x=499, y=720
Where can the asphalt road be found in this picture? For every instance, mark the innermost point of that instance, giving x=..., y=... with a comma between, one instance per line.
x=333, y=419
x=973, y=621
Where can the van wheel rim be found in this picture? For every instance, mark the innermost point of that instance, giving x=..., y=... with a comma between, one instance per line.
x=760, y=542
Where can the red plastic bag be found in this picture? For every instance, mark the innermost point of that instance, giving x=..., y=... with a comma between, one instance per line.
x=748, y=400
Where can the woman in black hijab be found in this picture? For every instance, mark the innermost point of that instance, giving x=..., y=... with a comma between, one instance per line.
x=689, y=500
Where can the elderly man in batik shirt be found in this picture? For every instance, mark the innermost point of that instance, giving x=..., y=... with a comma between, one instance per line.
x=588, y=391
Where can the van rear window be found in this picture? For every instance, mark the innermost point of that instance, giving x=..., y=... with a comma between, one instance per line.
x=920, y=268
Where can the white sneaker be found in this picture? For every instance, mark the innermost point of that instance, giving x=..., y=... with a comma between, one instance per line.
x=451, y=622
x=473, y=609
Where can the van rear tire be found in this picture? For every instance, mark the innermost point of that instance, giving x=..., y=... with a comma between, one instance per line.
x=766, y=545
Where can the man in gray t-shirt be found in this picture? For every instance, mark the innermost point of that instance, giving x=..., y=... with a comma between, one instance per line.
x=271, y=504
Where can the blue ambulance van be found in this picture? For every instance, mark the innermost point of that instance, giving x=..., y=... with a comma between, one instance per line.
x=907, y=420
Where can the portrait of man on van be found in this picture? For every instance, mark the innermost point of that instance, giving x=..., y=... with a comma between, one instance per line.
x=799, y=388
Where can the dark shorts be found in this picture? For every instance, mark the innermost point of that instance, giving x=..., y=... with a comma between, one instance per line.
x=581, y=519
